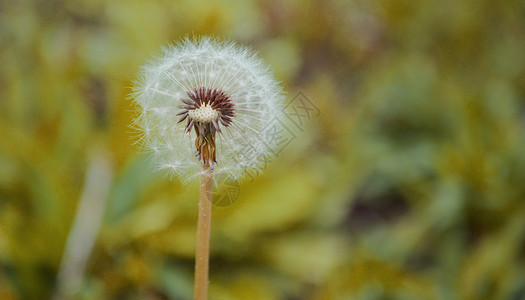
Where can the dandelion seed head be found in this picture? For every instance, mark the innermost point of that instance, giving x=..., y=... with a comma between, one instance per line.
x=205, y=101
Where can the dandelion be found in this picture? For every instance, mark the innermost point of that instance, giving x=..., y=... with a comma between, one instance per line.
x=204, y=107
x=207, y=102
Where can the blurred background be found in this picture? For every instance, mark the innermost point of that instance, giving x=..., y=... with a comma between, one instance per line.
x=407, y=181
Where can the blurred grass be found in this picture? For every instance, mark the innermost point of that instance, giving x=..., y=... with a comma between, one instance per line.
x=408, y=185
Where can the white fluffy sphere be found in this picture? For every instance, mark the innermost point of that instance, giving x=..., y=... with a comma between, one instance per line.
x=242, y=146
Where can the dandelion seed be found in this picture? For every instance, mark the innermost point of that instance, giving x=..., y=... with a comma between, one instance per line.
x=210, y=96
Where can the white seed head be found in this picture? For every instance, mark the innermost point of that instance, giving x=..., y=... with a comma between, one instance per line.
x=252, y=102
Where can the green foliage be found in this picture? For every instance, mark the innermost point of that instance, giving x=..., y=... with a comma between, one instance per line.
x=407, y=185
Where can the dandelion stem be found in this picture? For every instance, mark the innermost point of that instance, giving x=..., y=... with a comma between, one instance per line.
x=202, y=250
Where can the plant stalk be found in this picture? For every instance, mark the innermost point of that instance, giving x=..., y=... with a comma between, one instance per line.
x=202, y=250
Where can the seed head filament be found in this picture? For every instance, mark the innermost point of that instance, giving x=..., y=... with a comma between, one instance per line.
x=206, y=110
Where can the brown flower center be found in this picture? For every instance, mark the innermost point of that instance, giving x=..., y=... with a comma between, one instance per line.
x=206, y=110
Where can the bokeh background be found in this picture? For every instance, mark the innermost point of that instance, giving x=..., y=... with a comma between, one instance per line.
x=409, y=183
